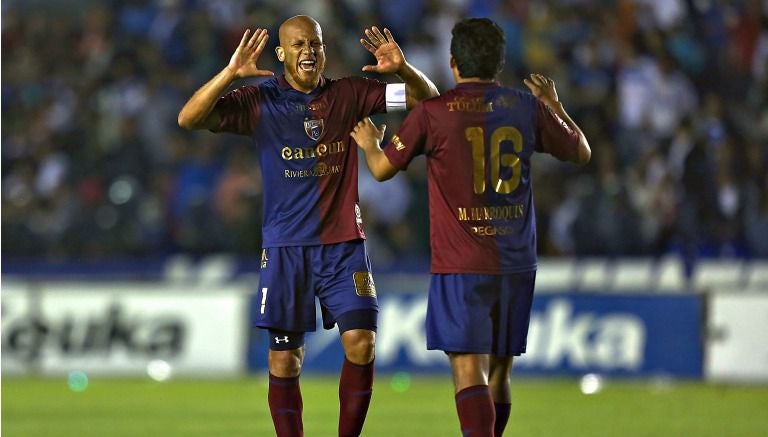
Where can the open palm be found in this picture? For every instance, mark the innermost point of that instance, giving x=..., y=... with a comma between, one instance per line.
x=389, y=55
x=243, y=61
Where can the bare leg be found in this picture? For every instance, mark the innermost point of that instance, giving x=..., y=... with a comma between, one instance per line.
x=499, y=380
x=473, y=398
x=359, y=345
x=286, y=364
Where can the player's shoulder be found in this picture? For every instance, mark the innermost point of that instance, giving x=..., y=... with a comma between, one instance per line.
x=257, y=90
x=271, y=82
x=271, y=85
x=354, y=82
x=244, y=93
x=513, y=99
x=440, y=100
x=516, y=93
x=434, y=103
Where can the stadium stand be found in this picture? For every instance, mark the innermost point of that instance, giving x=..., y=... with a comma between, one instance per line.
x=672, y=94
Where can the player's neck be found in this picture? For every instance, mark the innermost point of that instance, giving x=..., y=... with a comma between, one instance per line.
x=473, y=79
x=304, y=89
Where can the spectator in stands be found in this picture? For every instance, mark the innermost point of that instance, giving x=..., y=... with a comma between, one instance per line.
x=692, y=72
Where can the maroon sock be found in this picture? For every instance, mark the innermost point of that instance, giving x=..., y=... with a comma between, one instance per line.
x=355, y=390
x=502, y=416
x=286, y=406
x=476, y=412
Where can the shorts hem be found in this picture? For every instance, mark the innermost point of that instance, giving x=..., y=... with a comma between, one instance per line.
x=281, y=328
x=463, y=350
x=313, y=242
x=457, y=349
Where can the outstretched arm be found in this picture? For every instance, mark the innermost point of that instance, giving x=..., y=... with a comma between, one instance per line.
x=369, y=138
x=198, y=112
x=544, y=89
x=390, y=59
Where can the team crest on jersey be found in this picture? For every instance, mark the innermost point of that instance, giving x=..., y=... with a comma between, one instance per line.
x=314, y=128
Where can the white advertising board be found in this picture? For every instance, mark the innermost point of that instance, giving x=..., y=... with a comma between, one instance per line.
x=737, y=349
x=114, y=329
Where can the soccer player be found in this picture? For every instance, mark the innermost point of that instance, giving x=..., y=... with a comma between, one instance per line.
x=299, y=123
x=478, y=139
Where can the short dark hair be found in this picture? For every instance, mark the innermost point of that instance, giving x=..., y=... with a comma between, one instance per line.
x=477, y=46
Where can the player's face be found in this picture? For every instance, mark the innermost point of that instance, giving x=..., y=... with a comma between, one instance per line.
x=303, y=54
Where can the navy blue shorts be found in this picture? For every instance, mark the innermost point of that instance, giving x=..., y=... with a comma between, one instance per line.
x=339, y=275
x=482, y=314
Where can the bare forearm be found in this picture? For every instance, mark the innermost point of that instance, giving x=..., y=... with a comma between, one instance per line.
x=378, y=164
x=584, y=152
x=417, y=85
x=197, y=112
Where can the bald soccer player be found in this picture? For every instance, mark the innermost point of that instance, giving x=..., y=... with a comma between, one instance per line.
x=314, y=244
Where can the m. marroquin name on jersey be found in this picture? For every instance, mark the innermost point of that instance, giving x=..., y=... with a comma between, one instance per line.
x=490, y=213
x=503, y=212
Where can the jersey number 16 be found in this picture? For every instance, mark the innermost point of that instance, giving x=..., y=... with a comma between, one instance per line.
x=476, y=136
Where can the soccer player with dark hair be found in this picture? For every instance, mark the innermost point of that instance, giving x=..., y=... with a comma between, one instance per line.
x=299, y=123
x=478, y=139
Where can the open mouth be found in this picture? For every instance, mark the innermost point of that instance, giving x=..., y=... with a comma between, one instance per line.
x=307, y=65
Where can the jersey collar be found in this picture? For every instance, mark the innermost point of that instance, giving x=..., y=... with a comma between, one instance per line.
x=285, y=86
x=477, y=84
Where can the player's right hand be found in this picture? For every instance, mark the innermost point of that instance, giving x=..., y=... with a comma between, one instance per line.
x=367, y=135
x=243, y=61
x=389, y=55
x=543, y=88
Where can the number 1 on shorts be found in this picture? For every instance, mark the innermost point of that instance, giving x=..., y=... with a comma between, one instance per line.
x=263, y=299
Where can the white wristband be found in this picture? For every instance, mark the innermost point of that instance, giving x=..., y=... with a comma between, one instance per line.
x=395, y=97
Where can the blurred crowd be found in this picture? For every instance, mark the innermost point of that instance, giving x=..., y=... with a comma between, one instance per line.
x=672, y=95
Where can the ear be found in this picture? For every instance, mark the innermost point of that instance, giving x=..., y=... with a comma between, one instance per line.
x=280, y=53
x=455, y=69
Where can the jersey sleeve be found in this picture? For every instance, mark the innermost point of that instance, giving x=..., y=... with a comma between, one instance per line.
x=370, y=95
x=239, y=111
x=554, y=136
x=410, y=141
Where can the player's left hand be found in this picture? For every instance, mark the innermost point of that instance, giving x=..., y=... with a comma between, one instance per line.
x=543, y=88
x=389, y=55
x=367, y=135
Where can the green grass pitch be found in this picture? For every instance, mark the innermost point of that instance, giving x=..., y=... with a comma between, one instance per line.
x=34, y=407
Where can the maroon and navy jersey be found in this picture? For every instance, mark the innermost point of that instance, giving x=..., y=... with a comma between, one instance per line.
x=478, y=139
x=307, y=157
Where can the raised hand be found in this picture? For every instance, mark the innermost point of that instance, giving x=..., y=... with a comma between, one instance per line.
x=389, y=55
x=367, y=135
x=243, y=61
x=543, y=88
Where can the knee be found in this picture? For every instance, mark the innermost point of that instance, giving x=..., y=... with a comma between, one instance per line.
x=500, y=369
x=359, y=345
x=286, y=364
x=468, y=370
